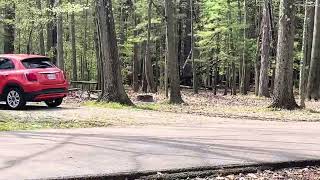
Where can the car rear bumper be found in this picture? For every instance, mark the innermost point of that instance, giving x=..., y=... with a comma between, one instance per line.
x=46, y=94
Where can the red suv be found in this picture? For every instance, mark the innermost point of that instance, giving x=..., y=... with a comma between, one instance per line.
x=30, y=78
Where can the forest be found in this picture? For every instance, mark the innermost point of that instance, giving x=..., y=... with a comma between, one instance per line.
x=268, y=47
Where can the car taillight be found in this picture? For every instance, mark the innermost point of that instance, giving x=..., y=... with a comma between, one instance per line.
x=31, y=77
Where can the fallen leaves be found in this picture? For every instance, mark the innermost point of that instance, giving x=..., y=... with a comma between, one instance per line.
x=308, y=173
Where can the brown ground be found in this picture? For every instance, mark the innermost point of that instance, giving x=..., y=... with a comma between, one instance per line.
x=203, y=107
x=309, y=173
x=238, y=107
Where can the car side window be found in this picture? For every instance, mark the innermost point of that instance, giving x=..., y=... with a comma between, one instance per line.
x=6, y=64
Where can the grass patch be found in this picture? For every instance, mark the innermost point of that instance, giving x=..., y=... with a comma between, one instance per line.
x=142, y=106
x=149, y=106
x=12, y=125
x=106, y=105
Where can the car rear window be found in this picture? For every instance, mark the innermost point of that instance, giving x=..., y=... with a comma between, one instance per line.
x=36, y=63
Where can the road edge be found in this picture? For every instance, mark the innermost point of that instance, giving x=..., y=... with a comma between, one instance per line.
x=193, y=172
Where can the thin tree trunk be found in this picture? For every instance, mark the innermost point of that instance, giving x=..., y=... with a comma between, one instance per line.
x=113, y=89
x=265, y=52
x=166, y=75
x=122, y=18
x=215, y=78
x=41, y=33
x=175, y=94
x=136, y=51
x=29, y=44
x=85, y=45
x=98, y=51
x=135, y=67
x=306, y=50
x=194, y=66
x=274, y=32
x=283, y=86
x=226, y=83
x=147, y=63
x=257, y=62
x=314, y=73
x=241, y=57
x=257, y=65
x=143, y=69
x=51, y=33
x=73, y=46
x=243, y=85
x=9, y=28
x=217, y=64
x=161, y=77
x=231, y=52
x=60, y=51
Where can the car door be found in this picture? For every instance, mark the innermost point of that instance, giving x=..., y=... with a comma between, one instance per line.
x=6, y=66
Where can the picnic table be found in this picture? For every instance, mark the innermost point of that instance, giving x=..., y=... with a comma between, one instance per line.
x=84, y=86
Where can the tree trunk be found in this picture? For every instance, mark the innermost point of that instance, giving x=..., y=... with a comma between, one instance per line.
x=143, y=68
x=98, y=55
x=51, y=33
x=241, y=56
x=136, y=65
x=73, y=46
x=60, y=52
x=226, y=83
x=194, y=66
x=29, y=44
x=175, y=94
x=243, y=85
x=314, y=73
x=265, y=52
x=232, y=75
x=41, y=33
x=274, y=42
x=85, y=72
x=215, y=79
x=283, y=86
x=136, y=52
x=147, y=62
x=257, y=62
x=113, y=89
x=306, y=50
x=257, y=65
x=249, y=33
x=233, y=79
x=9, y=28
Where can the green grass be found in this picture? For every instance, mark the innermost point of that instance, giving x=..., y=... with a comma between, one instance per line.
x=106, y=105
x=142, y=106
x=13, y=125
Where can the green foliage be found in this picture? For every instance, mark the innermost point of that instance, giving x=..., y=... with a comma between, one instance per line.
x=219, y=39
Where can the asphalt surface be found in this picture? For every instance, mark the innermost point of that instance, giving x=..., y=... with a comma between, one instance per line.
x=56, y=153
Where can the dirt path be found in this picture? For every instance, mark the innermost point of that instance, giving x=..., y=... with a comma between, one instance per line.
x=117, y=117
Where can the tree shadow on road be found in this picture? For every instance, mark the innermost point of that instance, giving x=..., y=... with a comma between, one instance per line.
x=207, y=149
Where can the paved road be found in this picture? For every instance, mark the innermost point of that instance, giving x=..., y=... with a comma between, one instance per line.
x=53, y=153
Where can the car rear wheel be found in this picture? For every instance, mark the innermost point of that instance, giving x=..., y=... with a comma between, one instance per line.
x=15, y=99
x=54, y=103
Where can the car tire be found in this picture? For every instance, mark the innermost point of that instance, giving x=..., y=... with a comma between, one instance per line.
x=54, y=103
x=15, y=99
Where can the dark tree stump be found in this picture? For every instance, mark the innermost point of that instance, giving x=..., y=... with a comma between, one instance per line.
x=145, y=98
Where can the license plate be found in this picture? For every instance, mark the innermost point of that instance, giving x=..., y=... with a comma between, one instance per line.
x=52, y=76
